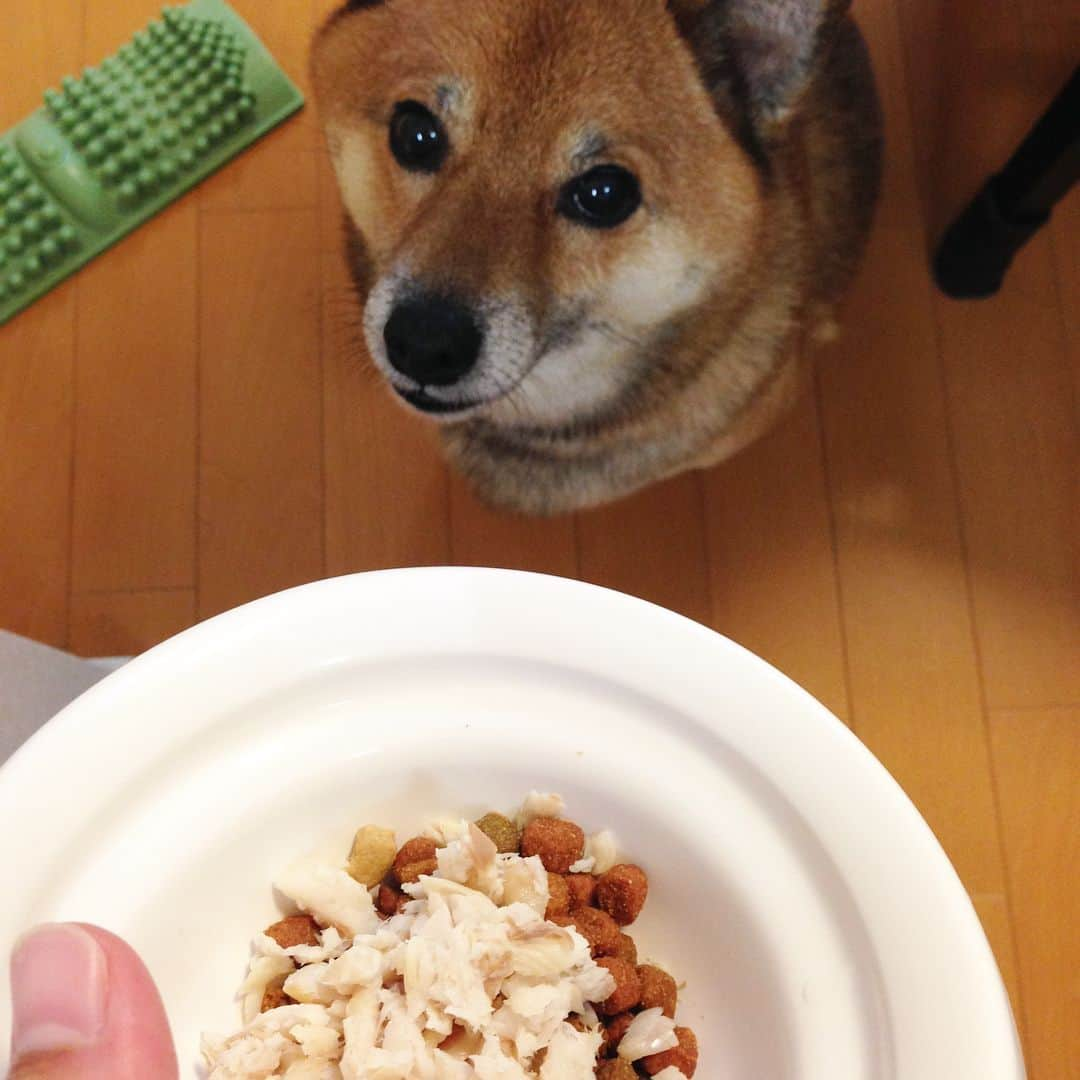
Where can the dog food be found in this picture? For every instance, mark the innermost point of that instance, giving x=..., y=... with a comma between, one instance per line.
x=493, y=950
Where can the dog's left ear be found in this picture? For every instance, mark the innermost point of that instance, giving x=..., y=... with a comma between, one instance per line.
x=761, y=53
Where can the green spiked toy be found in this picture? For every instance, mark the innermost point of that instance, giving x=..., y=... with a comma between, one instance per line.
x=112, y=148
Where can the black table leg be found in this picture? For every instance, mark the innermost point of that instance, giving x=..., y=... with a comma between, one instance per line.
x=978, y=248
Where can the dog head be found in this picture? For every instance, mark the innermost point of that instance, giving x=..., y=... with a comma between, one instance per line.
x=545, y=193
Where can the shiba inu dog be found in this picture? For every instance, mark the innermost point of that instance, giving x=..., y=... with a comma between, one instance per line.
x=589, y=235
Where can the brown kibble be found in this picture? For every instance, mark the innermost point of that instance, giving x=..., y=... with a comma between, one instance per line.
x=275, y=997
x=558, y=896
x=582, y=890
x=295, y=930
x=372, y=854
x=415, y=859
x=627, y=991
x=626, y=949
x=683, y=1057
x=502, y=832
x=658, y=989
x=558, y=843
x=615, y=1069
x=614, y=1030
x=599, y=929
x=621, y=892
x=390, y=900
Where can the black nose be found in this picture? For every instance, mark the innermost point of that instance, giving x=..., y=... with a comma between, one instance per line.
x=433, y=339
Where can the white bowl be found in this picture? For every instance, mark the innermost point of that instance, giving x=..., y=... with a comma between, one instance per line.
x=819, y=927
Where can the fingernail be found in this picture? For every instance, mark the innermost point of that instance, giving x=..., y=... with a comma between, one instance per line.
x=58, y=987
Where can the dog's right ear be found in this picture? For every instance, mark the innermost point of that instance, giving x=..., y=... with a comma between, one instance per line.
x=760, y=54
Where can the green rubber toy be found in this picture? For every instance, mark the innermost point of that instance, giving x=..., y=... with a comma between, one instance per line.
x=113, y=147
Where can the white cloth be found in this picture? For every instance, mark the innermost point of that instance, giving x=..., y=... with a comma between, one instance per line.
x=36, y=682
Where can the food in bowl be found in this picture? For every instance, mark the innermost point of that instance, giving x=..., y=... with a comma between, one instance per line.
x=493, y=949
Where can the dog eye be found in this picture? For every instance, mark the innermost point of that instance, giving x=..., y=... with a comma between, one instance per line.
x=417, y=138
x=602, y=198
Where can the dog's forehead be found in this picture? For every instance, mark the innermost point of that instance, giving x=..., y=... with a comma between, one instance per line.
x=567, y=60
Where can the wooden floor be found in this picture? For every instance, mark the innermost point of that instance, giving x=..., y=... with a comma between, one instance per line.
x=187, y=426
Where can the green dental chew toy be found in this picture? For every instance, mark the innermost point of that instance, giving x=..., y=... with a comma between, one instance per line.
x=112, y=148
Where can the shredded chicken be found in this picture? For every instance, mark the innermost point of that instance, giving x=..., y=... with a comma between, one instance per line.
x=467, y=982
x=651, y=1032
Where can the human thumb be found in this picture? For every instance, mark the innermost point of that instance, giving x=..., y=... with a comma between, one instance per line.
x=85, y=1008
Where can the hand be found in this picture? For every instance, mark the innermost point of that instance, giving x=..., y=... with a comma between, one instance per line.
x=85, y=1008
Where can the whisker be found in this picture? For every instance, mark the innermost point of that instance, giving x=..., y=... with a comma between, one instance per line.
x=605, y=329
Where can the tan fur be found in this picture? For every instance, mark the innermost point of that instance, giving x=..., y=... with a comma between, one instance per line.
x=638, y=352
